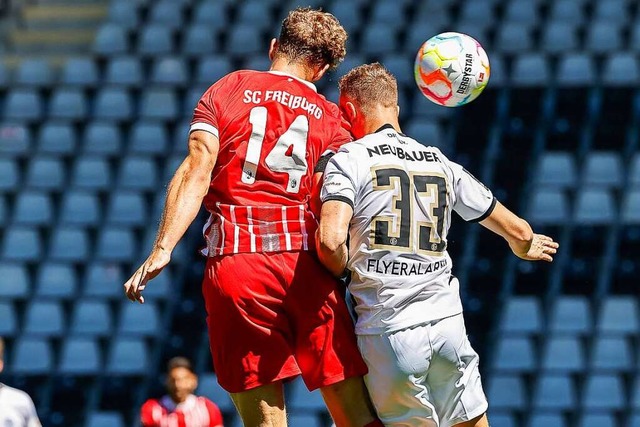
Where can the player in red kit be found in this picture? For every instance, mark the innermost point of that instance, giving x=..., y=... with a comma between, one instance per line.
x=180, y=407
x=256, y=148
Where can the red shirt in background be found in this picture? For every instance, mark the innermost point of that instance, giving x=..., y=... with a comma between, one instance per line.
x=195, y=411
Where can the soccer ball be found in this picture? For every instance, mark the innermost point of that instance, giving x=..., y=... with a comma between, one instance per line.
x=451, y=69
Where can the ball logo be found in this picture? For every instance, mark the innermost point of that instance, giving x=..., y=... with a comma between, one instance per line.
x=480, y=77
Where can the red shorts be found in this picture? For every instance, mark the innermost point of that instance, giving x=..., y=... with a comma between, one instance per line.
x=276, y=315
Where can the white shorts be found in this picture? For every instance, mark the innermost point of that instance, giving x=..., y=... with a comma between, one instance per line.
x=426, y=375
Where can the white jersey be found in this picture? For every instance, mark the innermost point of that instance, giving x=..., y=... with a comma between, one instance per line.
x=402, y=194
x=16, y=408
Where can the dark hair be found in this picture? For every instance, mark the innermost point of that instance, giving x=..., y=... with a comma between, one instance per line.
x=179, y=362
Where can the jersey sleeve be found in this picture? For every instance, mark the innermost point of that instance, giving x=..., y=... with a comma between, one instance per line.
x=340, y=179
x=215, y=416
x=146, y=414
x=206, y=113
x=473, y=200
x=32, y=415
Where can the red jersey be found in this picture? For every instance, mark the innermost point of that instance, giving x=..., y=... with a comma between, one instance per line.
x=273, y=128
x=195, y=411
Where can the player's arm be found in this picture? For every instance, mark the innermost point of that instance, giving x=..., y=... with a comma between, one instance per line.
x=186, y=190
x=517, y=232
x=331, y=238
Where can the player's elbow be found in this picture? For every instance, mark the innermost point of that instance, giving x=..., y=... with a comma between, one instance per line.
x=331, y=239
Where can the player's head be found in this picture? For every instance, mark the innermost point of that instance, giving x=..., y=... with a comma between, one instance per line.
x=368, y=93
x=1, y=354
x=181, y=379
x=312, y=39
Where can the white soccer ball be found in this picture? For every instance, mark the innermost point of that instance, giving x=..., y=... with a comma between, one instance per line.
x=451, y=69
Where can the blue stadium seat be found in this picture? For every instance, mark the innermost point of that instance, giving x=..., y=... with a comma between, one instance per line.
x=81, y=71
x=571, y=315
x=388, y=12
x=159, y=103
x=208, y=386
x=128, y=356
x=33, y=208
x=9, y=175
x=603, y=37
x=301, y=399
x=555, y=392
x=212, y=13
x=91, y=173
x=8, y=319
x=125, y=71
x=611, y=354
x=557, y=169
x=124, y=13
x=148, y=137
x=254, y=13
x=559, y=38
x=477, y=12
x=5, y=76
x=630, y=212
x=576, y=69
x=603, y=169
x=127, y=208
x=91, y=318
x=80, y=208
x=597, y=419
x=44, y=318
x=56, y=280
x=547, y=419
x=351, y=61
x=401, y=66
x=191, y=100
x=521, y=316
x=15, y=139
x=300, y=419
x=111, y=39
x=21, y=244
x=170, y=71
x=603, y=392
x=594, y=206
x=349, y=13
x=4, y=210
x=80, y=356
x=139, y=319
x=210, y=70
x=167, y=13
x=569, y=11
x=160, y=287
x=258, y=63
x=155, y=40
x=523, y=12
x=506, y=392
x=103, y=280
x=378, y=40
x=199, y=40
x=34, y=72
x=57, y=138
x=104, y=138
x=563, y=354
x=138, y=173
x=611, y=10
x=618, y=315
x=113, y=103
x=531, y=70
x=23, y=104
x=45, y=173
x=243, y=40
x=116, y=244
x=427, y=132
x=502, y=418
x=15, y=281
x=181, y=136
x=104, y=419
x=514, y=355
x=621, y=69
x=634, y=401
x=421, y=107
x=69, y=244
x=68, y=104
x=32, y=356
x=549, y=206
x=512, y=38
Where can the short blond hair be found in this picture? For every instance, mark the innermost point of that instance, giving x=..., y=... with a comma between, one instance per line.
x=312, y=36
x=370, y=85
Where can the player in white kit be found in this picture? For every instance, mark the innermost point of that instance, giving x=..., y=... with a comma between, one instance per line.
x=392, y=197
x=16, y=407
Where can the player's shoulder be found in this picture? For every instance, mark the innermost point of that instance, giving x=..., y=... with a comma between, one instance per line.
x=15, y=395
x=151, y=403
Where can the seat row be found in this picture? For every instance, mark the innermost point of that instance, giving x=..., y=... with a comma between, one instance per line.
x=587, y=418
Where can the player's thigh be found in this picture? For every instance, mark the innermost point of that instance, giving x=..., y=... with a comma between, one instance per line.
x=262, y=406
x=454, y=375
x=326, y=349
x=250, y=336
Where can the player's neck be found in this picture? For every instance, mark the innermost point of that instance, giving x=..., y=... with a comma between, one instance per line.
x=295, y=69
x=380, y=118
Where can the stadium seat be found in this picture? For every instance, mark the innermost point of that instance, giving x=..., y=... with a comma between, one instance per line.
x=594, y=207
x=555, y=392
x=548, y=206
x=45, y=173
x=80, y=356
x=502, y=419
x=92, y=317
x=124, y=13
x=530, y=70
x=199, y=40
x=180, y=136
x=4, y=210
x=603, y=37
x=155, y=40
x=513, y=38
x=139, y=320
x=80, y=71
x=34, y=72
x=104, y=419
x=211, y=69
x=611, y=354
x=571, y=315
x=23, y=104
x=8, y=319
x=148, y=137
x=349, y=13
x=128, y=356
x=427, y=133
x=69, y=104
x=80, y=208
x=603, y=392
x=417, y=34
x=170, y=71
x=9, y=174
x=167, y=13
x=111, y=39
x=212, y=13
x=208, y=386
x=244, y=40
x=634, y=171
x=559, y=38
x=547, y=419
x=298, y=419
x=521, y=316
x=557, y=169
x=56, y=280
x=103, y=138
x=15, y=281
x=569, y=11
x=378, y=40
x=597, y=420
x=103, y=280
x=301, y=399
x=57, y=138
x=621, y=70
x=44, y=318
x=159, y=103
x=618, y=315
x=69, y=244
x=563, y=354
x=611, y=11
x=127, y=208
x=138, y=173
x=116, y=244
x=576, y=69
x=603, y=169
x=506, y=392
x=21, y=244
x=477, y=12
x=113, y=103
x=91, y=173
x=254, y=13
x=5, y=76
x=32, y=356
x=33, y=208
x=387, y=12
x=259, y=63
x=631, y=207
x=15, y=140
x=191, y=100
x=523, y=12
x=401, y=66
x=514, y=355
x=161, y=286
x=124, y=71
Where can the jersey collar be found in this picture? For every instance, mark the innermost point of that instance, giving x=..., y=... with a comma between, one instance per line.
x=281, y=73
x=388, y=126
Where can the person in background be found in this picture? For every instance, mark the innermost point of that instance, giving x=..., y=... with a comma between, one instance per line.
x=16, y=407
x=180, y=407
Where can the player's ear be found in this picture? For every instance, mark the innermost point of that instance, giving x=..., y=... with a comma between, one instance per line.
x=398, y=108
x=1, y=365
x=273, y=46
x=320, y=72
x=351, y=111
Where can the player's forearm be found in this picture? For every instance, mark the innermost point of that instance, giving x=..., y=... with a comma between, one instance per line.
x=333, y=256
x=515, y=230
x=331, y=238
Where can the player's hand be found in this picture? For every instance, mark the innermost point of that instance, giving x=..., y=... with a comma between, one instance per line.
x=157, y=260
x=542, y=248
